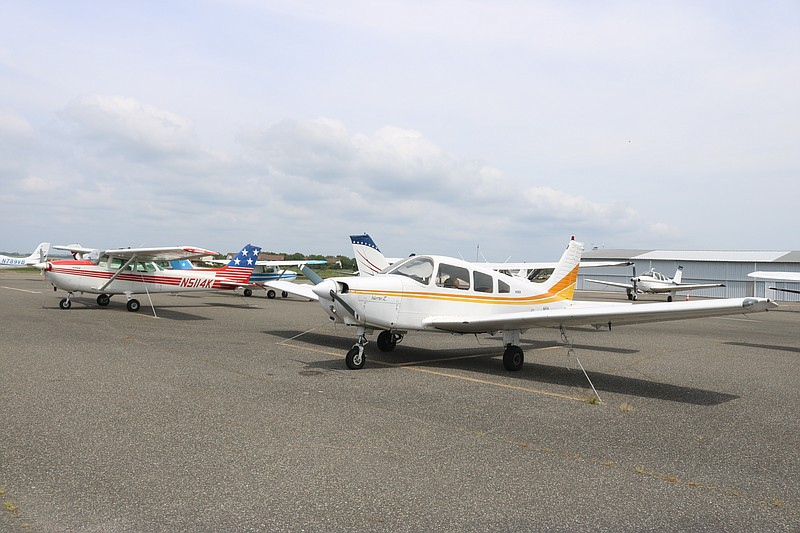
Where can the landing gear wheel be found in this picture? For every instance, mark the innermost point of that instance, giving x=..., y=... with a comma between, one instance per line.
x=630, y=296
x=513, y=358
x=133, y=305
x=355, y=358
x=669, y=298
x=248, y=292
x=270, y=294
x=284, y=294
x=65, y=303
x=103, y=300
x=386, y=341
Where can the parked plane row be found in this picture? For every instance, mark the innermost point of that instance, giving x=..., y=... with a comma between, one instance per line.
x=418, y=293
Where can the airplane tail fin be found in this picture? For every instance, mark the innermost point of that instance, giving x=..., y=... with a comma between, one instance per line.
x=39, y=255
x=239, y=268
x=678, y=275
x=369, y=258
x=562, y=281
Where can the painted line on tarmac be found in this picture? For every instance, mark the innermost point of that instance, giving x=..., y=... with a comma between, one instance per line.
x=415, y=367
x=21, y=290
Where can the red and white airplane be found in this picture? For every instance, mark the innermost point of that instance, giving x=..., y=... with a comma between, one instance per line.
x=132, y=271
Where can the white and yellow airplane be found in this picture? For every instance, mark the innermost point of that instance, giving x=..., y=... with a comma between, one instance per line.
x=777, y=276
x=657, y=283
x=132, y=271
x=435, y=293
x=38, y=257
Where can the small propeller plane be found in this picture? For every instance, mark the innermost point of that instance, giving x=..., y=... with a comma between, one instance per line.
x=435, y=293
x=37, y=258
x=264, y=272
x=656, y=283
x=132, y=271
x=778, y=276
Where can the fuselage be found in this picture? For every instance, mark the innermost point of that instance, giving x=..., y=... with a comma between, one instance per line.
x=262, y=273
x=137, y=278
x=423, y=286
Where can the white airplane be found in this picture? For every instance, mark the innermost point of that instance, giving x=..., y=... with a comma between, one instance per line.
x=38, y=257
x=132, y=271
x=656, y=283
x=434, y=293
x=777, y=276
x=370, y=261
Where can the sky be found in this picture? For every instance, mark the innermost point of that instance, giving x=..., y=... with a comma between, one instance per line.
x=497, y=128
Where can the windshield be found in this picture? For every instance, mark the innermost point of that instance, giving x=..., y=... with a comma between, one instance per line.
x=417, y=268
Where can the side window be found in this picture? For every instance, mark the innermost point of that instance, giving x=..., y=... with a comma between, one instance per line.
x=483, y=282
x=502, y=287
x=452, y=277
x=115, y=263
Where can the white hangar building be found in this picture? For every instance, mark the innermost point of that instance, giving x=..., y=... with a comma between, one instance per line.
x=728, y=267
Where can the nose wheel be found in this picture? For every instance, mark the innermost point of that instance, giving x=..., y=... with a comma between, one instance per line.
x=355, y=357
x=66, y=303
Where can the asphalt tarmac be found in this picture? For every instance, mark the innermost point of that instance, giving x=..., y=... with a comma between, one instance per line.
x=228, y=413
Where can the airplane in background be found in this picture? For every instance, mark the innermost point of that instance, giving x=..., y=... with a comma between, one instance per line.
x=264, y=271
x=778, y=276
x=435, y=293
x=132, y=271
x=370, y=261
x=38, y=257
x=656, y=283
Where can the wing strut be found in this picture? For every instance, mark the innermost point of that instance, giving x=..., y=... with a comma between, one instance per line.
x=571, y=353
x=117, y=273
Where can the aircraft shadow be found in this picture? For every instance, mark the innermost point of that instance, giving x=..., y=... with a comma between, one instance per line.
x=793, y=349
x=477, y=360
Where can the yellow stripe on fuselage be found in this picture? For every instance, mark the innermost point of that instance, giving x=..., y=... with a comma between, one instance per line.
x=534, y=299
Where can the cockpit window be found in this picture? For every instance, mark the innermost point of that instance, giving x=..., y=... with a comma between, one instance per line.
x=417, y=268
x=452, y=277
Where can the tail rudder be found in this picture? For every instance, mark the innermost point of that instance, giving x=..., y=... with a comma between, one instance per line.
x=241, y=266
x=678, y=275
x=39, y=255
x=562, y=281
x=369, y=258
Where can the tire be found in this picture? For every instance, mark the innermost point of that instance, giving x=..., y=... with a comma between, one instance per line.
x=64, y=304
x=248, y=292
x=355, y=359
x=103, y=300
x=271, y=294
x=669, y=298
x=284, y=294
x=386, y=341
x=513, y=358
x=133, y=305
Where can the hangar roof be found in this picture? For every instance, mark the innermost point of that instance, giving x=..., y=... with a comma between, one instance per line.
x=729, y=256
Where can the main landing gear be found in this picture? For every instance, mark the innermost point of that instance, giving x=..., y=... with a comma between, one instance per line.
x=103, y=300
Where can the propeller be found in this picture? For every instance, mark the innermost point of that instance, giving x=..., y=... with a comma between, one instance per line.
x=635, y=281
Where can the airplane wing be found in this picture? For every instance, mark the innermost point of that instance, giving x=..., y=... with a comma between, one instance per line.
x=550, y=264
x=302, y=290
x=628, y=286
x=603, y=315
x=74, y=248
x=161, y=254
x=777, y=276
x=683, y=287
